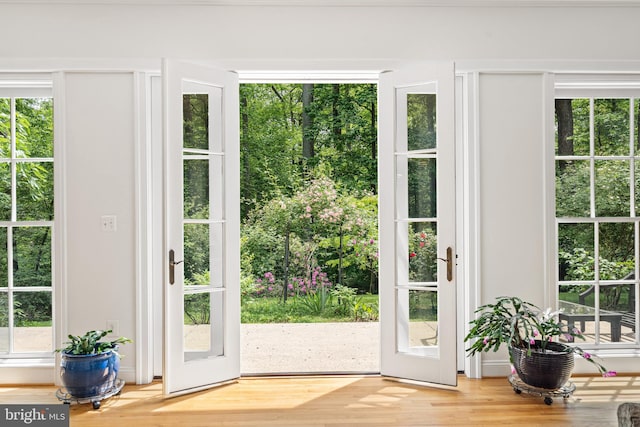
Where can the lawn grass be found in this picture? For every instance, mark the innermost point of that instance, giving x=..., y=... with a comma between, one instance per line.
x=299, y=310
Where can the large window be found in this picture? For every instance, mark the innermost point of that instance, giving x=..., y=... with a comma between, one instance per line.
x=26, y=221
x=597, y=164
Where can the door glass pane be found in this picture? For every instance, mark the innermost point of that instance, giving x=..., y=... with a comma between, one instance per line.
x=576, y=252
x=4, y=322
x=195, y=110
x=421, y=121
x=196, y=188
x=612, y=188
x=611, y=127
x=34, y=191
x=32, y=319
x=196, y=254
x=423, y=241
x=422, y=188
x=418, y=320
x=34, y=136
x=572, y=188
x=203, y=325
x=197, y=322
x=32, y=256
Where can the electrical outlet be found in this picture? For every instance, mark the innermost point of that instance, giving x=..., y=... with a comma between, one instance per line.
x=108, y=223
x=113, y=325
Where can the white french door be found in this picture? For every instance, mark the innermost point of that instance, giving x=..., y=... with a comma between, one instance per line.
x=202, y=184
x=417, y=224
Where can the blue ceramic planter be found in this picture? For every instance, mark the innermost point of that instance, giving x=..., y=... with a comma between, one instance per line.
x=89, y=375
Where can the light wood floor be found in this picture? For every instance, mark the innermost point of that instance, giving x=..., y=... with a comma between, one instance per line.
x=347, y=401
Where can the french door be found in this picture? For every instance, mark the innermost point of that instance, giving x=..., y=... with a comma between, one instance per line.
x=417, y=224
x=202, y=295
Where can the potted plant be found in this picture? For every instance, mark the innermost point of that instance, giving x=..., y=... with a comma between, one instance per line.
x=533, y=339
x=90, y=365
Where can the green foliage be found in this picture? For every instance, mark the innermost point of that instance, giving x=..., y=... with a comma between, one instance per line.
x=316, y=302
x=90, y=343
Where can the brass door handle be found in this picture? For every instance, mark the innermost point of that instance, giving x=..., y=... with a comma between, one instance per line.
x=449, y=261
x=172, y=266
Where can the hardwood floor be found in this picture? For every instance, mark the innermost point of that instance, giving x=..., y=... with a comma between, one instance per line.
x=347, y=401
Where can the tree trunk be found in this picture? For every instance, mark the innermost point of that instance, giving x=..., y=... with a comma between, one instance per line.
x=245, y=146
x=335, y=114
x=285, y=289
x=308, y=149
x=564, y=115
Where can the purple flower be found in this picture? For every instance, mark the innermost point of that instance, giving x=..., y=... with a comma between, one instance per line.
x=586, y=355
x=609, y=374
x=532, y=341
x=485, y=340
x=535, y=332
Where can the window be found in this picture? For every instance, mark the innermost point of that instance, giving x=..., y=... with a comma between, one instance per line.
x=597, y=168
x=26, y=221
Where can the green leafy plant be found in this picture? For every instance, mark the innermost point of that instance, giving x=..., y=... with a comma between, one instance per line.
x=517, y=323
x=90, y=343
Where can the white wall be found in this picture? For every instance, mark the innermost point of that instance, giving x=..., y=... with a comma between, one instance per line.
x=299, y=34
x=512, y=193
x=99, y=153
x=101, y=113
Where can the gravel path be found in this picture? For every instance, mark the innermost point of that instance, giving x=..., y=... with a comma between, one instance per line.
x=310, y=347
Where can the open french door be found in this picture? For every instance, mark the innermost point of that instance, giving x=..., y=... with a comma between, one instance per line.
x=417, y=224
x=202, y=295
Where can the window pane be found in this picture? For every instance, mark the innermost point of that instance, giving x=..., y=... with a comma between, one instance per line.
x=34, y=136
x=196, y=189
x=611, y=127
x=34, y=192
x=616, y=250
x=578, y=309
x=5, y=128
x=5, y=192
x=32, y=256
x=195, y=108
x=636, y=122
x=576, y=252
x=423, y=240
x=4, y=322
x=572, y=127
x=3, y=258
x=612, y=188
x=421, y=121
x=422, y=188
x=572, y=188
x=32, y=320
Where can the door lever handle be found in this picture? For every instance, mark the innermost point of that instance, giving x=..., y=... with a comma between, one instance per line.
x=449, y=261
x=172, y=266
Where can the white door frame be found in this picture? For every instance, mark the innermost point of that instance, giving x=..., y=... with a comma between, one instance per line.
x=467, y=213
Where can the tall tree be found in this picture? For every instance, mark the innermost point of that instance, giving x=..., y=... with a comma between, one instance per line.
x=308, y=148
x=564, y=116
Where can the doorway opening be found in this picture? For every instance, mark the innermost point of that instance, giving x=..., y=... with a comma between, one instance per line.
x=309, y=232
